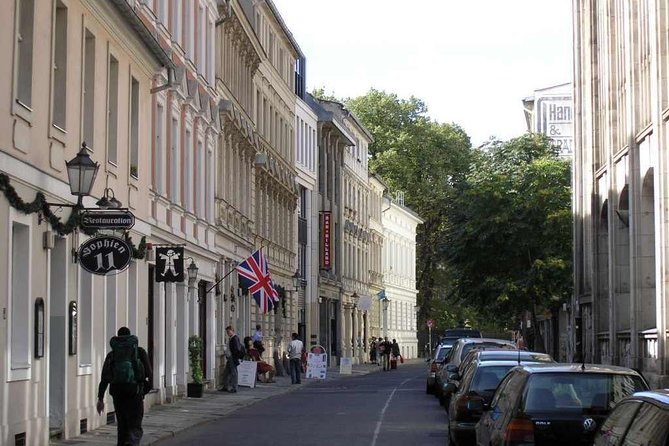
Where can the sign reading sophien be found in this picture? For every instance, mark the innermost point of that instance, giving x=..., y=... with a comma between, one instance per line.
x=104, y=255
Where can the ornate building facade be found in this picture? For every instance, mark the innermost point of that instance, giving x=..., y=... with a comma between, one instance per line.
x=73, y=72
x=620, y=308
x=378, y=202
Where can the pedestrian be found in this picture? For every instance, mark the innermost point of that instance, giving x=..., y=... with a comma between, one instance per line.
x=234, y=355
x=128, y=373
x=385, y=353
x=257, y=339
x=264, y=371
x=372, y=351
x=395, y=351
x=295, y=354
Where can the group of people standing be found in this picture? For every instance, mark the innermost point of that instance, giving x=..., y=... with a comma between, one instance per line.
x=384, y=353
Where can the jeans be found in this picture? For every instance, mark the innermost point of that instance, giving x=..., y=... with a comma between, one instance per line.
x=295, y=370
x=129, y=415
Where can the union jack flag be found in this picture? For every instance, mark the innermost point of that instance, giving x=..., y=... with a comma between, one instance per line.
x=254, y=274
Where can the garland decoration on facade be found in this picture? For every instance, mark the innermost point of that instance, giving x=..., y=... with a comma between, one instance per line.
x=40, y=205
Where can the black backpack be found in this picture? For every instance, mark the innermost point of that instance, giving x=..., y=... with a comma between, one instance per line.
x=128, y=372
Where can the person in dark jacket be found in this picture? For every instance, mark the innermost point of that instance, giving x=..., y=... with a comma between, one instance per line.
x=128, y=391
x=234, y=355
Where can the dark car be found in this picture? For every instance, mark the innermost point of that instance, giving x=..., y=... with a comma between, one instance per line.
x=553, y=404
x=479, y=380
x=457, y=354
x=641, y=419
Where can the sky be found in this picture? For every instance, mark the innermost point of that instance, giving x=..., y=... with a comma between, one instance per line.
x=471, y=61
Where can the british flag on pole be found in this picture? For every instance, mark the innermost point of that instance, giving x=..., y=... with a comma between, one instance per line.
x=254, y=274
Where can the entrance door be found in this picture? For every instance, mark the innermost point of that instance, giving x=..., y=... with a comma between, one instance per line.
x=202, y=299
x=57, y=333
x=149, y=318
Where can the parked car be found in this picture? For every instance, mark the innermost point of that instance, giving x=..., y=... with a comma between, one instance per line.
x=457, y=355
x=453, y=334
x=640, y=419
x=480, y=376
x=434, y=364
x=553, y=404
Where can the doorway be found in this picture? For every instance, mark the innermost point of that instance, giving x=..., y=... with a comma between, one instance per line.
x=149, y=318
x=57, y=333
x=202, y=302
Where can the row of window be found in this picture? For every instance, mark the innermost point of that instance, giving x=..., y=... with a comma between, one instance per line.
x=185, y=159
x=306, y=144
x=277, y=53
x=271, y=125
x=192, y=27
x=62, y=80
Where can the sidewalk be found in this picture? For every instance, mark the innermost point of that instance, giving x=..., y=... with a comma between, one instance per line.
x=163, y=421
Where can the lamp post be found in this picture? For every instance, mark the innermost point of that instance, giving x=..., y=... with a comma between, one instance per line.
x=385, y=317
x=192, y=275
x=81, y=172
x=297, y=280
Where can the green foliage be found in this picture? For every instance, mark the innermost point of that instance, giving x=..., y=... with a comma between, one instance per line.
x=510, y=244
x=195, y=349
x=425, y=160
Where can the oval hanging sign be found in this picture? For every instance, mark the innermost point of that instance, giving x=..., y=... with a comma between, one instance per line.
x=104, y=255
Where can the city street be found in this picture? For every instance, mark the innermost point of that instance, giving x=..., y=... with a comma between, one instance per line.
x=385, y=408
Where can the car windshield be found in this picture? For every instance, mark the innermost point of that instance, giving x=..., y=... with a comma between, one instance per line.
x=487, y=378
x=468, y=347
x=523, y=356
x=584, y=392
x=462, y=333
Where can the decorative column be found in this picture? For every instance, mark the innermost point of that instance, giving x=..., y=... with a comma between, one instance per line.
x=354, y=333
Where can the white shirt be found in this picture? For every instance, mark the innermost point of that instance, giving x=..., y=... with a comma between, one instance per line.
x=295, y=349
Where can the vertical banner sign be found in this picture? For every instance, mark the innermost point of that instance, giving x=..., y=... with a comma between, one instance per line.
x=170, y=264
x=327, y=249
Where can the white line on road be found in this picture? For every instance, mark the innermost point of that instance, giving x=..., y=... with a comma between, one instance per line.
x=383, y=411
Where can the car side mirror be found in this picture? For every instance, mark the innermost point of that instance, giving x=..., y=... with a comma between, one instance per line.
x=450, y=388
x=452, y=368
x=428, y=360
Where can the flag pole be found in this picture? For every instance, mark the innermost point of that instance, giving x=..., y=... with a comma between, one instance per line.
x=221, y=280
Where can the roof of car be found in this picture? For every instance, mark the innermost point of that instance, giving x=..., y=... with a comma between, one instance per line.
x=577, y=368
x=659, y=397
x=504, y=363
x=483, y=340
x=503, y=354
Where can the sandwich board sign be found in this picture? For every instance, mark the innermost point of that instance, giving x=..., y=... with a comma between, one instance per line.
x=317, y=363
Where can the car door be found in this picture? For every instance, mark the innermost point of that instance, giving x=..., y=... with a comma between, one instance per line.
x=613, y=430
x=650, y=427
x=491, y=419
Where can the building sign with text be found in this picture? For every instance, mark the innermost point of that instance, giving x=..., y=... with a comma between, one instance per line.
x=555, y=119
x=104, y=255
x=327, y=248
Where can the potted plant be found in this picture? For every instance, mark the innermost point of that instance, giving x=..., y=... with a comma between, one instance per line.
x=195, y=347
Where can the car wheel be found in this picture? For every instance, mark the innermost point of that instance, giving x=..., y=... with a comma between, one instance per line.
x=428, y=389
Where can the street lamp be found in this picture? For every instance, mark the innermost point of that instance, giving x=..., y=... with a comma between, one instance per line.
x=81, y=171
x=297, y=279
x=192, y=273
x=108, y=200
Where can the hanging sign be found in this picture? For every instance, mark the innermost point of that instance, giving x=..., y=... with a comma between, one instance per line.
x=170, y=264
x=108, y=219
x=104, y=255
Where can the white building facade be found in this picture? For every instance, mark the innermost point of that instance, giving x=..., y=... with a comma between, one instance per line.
x=399, y=278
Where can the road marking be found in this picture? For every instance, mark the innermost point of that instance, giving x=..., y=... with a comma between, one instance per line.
x=383, y=411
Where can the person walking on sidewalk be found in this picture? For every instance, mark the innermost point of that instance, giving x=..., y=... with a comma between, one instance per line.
x=385, y=353
x=295, y=354
x=395, y=351
x=127, y=371
x=235, y=355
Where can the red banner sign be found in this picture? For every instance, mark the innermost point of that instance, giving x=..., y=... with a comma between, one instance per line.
x=327, y=249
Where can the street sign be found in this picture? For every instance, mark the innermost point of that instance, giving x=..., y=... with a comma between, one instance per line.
x=104, y=255
x=107, y=219
x=430, y=323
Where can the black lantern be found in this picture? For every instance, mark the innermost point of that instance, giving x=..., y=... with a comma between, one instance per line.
x=108, y=200
x=296, y=280
x=192, y=273
x=81, y=171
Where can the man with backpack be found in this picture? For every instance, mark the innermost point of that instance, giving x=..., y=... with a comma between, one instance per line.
x=236, y=353
x=128, y=373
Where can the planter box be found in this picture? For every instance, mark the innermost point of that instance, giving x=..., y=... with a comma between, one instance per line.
x=194, y=390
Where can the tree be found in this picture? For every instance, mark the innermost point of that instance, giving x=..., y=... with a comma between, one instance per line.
x=425, y=160
x=510, y=239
